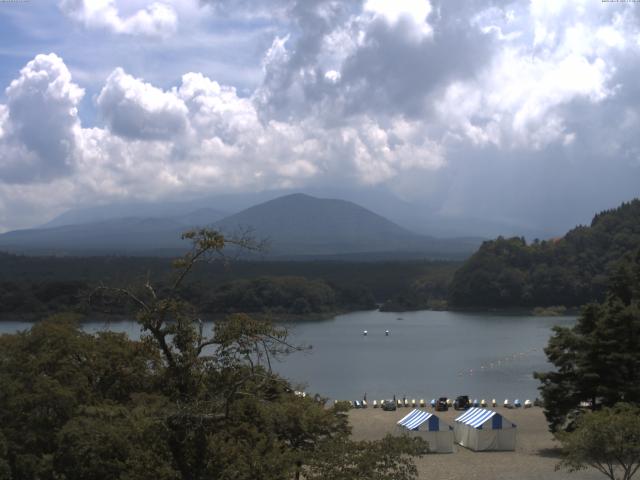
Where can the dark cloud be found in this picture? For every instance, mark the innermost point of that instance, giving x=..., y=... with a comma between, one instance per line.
x=395, y=75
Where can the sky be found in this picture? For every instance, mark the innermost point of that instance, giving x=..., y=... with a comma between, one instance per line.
x=519, y=112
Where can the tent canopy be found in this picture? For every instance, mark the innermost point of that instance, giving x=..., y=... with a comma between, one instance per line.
x=480, y=429
x=428, y=426
x=419, y=418
x=477, y=417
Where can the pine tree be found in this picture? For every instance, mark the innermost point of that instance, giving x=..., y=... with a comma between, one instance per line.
x=597, y=360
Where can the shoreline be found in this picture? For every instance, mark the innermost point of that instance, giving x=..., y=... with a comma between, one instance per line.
x=288, y=318
x=535, y=457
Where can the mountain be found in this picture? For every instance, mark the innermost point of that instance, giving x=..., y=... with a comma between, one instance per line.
x=120, y=236
x=181, y=212
x=570, y=271
x=295, y=225
x=422, y=218
x=300, y=224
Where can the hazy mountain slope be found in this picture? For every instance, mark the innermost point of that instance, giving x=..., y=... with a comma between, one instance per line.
x=181, y=212
x=296, y=225
x=421, y=218
x=119, y=236
x=305, y=225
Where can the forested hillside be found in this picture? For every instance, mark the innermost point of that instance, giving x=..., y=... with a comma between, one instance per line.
x=569, y=271
x=36, y=286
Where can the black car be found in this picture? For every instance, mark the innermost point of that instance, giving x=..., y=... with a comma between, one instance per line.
x=441, y=404
x=388, y=405
x=462, y=402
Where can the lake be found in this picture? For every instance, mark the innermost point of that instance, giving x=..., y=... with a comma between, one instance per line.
x=427, y=354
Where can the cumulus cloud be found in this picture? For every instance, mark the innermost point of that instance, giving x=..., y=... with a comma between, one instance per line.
x=380, y=59
x=155, y=20
x=138, y=110
x=39, y=124
x=416, y=11
x=521, y=97
x=216, y=110
x=404, y=93
x=193, y=137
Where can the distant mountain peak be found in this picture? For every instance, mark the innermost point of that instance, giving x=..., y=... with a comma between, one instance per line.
x=295, y=224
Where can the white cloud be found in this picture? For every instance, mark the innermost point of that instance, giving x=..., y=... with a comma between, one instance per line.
x=135, y=109
x=40, y=122
x=155, y=20
x=516, y=100
x=332, y=76
x=194, y=137
x=361, y=93
x=4, y=116
x=416, y=11
x=215, y=110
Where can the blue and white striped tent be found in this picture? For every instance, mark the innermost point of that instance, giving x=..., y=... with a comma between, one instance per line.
x=431, y=428
x=481, y=429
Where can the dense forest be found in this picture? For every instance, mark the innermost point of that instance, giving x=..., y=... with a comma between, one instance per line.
x=569, y=271
x=34, y=286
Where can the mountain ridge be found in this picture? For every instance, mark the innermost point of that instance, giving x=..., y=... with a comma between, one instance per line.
x=297, y=225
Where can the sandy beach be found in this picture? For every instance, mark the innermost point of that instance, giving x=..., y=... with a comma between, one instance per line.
x=535, y=456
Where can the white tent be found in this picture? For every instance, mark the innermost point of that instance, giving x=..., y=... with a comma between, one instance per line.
x=480, y=429
x=428, y=426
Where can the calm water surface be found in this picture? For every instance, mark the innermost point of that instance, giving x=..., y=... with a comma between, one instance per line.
x=427, y=354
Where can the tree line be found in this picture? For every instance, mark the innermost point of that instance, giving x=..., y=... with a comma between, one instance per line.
x=37, y=286
x=570, y=271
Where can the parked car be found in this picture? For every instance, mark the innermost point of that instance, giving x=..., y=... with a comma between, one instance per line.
x=441, y=404
x=388, y=405
x=462, y=402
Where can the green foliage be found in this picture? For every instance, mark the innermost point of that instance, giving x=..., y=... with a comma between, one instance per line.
x=110, y=441
x=274, y=295
x=570, y=271
x=49, y=372
x=607, y=440
x=425, y=292
x=366, y=460
x=181, y=403
x=5, y=469
x=35, y=287
x=597, y=360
